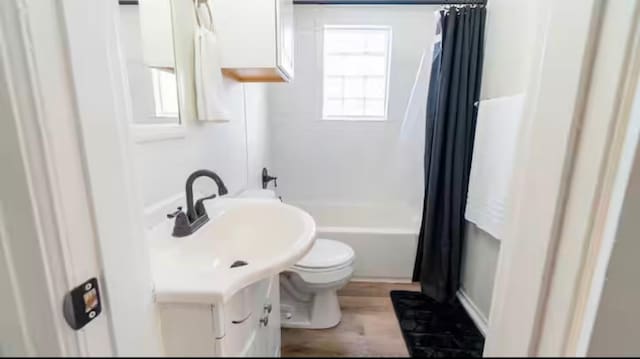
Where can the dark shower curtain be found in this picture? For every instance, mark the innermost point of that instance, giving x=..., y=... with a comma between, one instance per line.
x=450, y=127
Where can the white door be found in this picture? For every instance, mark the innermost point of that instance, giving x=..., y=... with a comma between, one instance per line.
x=570, y=153
x=68, y=209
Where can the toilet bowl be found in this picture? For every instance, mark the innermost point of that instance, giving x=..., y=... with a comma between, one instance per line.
x=308, y=290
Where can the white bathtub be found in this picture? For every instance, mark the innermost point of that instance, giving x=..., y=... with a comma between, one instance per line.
x=383, y=238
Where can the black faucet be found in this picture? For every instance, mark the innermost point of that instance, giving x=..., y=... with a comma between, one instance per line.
x=266, y=179
x=196, y=216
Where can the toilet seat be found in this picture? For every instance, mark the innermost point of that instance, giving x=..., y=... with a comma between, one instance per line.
x=327, y=262
x=325, y=278
x=326, y=254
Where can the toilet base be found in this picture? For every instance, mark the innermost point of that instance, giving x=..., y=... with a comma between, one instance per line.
x=302, y=307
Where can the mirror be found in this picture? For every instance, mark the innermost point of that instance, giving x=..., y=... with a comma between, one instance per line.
x=146, y=32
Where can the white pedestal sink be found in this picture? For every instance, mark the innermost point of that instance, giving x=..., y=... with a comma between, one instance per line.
x=269, y=236
x=210, y=307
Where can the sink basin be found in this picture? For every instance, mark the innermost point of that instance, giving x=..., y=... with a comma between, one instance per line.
x=245, y=240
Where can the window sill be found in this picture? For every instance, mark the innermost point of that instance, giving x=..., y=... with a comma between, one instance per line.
x=355, y=119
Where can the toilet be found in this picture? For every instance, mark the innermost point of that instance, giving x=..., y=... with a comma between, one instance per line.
x=308, y=290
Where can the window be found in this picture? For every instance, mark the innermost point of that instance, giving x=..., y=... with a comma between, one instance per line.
x=356, y=66
x=165, y=92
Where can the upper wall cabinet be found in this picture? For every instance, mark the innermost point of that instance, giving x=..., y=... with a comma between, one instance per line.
x=255, y=38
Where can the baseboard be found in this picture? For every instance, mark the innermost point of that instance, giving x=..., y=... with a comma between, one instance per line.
x=382, y=280
x=474, y=312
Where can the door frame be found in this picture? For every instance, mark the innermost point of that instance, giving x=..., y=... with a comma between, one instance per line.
x=74, y=138
x=40, y=109
x=70, y=111
x=577, y=113
x=104, y=114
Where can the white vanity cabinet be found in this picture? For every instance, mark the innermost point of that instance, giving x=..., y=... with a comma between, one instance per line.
x=248, y=324
x=256, y=39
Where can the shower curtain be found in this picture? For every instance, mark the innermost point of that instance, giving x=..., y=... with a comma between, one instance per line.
x=454, y=88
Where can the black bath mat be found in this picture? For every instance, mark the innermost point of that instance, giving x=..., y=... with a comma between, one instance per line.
x=435, y=330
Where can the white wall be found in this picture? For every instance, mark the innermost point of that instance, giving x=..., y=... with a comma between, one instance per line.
x=163, y=167
x=347, y=161
x=258, y=138
x=616, y=331
x=479, y=262
x=236, y=150
x=510, y=43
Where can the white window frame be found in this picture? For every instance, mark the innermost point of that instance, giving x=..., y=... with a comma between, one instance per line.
x=323, y=56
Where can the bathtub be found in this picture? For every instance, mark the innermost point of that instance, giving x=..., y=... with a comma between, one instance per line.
x=383, y=238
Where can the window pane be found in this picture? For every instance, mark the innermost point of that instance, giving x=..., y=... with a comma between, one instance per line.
x=353, y=107
x=373, y=65
x=353, y=87
x=344, y=41
x=333, y=108
x=165, y=92
x=333, y=87
x=375, y=87
x=377, y=41
x=374, y=108
x=352, y=65
x=169, y=93
x=355, y=72
x=334, y=65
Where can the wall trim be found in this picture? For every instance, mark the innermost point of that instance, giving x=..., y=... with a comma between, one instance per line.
x=614, y=187
x=382, y=280
x=474, y=312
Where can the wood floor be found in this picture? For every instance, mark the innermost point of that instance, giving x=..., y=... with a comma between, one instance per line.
x=368, y=328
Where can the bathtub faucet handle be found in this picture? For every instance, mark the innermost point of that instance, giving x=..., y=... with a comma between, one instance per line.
x=266, y=178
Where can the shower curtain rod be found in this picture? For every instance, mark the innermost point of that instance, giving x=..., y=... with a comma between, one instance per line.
x=366, y=2
x=390, y=2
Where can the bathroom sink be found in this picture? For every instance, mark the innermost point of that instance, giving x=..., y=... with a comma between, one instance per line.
x=245, y=240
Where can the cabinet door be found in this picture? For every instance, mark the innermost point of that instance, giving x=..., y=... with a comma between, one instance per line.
x=272, y=330
x=267, y=342
x=188, y=329
x=258, y=334
x=285, y=36
x=247, y=33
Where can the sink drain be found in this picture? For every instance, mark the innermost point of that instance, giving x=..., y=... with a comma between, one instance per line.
x=238, y=264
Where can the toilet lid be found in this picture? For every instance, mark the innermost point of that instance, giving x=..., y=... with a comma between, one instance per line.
x=326, y=253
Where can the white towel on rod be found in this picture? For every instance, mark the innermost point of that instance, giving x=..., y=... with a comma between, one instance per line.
x=493, y=163
x=210, y=98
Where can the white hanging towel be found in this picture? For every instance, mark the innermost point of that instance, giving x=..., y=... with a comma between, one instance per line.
x=210, y=96
x=492, y=165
